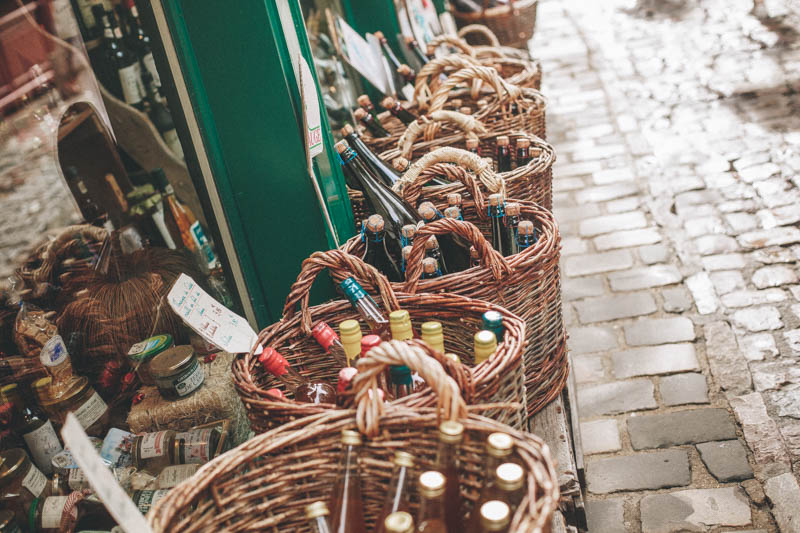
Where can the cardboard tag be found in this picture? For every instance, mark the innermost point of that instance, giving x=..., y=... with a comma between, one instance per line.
x=308, y=91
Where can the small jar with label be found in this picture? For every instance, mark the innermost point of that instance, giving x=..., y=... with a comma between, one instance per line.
x=47, y=514
x=154, y=451
x=146, y=499
x=8, y=522
x=141, y=353
x=20, y=483
x=197, y=446
x=177, y=372
x=80, y=399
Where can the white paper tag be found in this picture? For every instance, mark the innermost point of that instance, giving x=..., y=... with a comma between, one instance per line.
x=311, y=106
x=153, y=445
x=34, y=481
x=52, y=511
x=210, y=319
x=100, y=478
x=173, y=475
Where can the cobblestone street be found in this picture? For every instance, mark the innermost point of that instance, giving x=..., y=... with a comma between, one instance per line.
x=677, y=193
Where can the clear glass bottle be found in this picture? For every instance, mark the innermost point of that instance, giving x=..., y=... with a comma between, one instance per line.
x=493, y=321
x=485, y=346
x=398, y=496
x=432, y=508
x=399, y=522
x=347, y=506
x=316, y=514
x=366, y=307
x=304, y=390
x=330, y=342
x=499, y=448
x=510, y=482
x=451, y=433
x=432, y=334
x=89, y=408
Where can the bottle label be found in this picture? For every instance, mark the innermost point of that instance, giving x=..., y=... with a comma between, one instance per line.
x=148, y=498
x=52, y=511
x=77, y=480
x=34, y=481
x=54, y=352
x=43, y=444
x=174, y=475
x=153, y=445
x=150, y=65
x=188, y=384
x=91, y=410
x=196, y=445
x=174, y=144
x=130, y=80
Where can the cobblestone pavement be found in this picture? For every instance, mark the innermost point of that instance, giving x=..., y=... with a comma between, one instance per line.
x=678, y=197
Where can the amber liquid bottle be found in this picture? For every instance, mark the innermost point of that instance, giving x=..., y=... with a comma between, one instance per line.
x=397, y=497
x=495, y=516
x=451, y=434
x=306, y=391
x=432, y=506
x=317, y=516
x=399, y=522
x=499, y=447
x=347, y=507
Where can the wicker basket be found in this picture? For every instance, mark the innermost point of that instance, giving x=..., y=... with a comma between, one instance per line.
x=532, y=289
x=265, y=484
x=513, y=24
x=500, y=379
x=488, y=45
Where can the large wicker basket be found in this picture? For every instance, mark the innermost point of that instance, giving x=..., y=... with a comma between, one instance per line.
x=488, y=45
x=513, y=24
x=265, y=484
x=500, y=379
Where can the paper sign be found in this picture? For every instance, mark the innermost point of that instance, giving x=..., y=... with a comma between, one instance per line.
x=106, y=488
x=359, y=54
x=210, y=319
x=310, y=99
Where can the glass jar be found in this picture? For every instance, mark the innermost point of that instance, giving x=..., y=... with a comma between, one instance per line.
x=146, y=499
x=177, y=372
x=81, y=399
x=141, y=353
x=20, y=483
x=46, y=514
x=197, y=446
x=154, y=451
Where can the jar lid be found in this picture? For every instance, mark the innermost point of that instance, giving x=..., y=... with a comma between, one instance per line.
x=6, y=518
x=170, y=360
x=11, y=461
x=148, y=348
x=49, y=396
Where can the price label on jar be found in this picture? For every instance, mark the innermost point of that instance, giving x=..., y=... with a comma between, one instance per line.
x=195, y=445
x=91, y=410
x=173, y=475
x=153, y=445
x=34, y=481
x=52, y=511
x=189, y=383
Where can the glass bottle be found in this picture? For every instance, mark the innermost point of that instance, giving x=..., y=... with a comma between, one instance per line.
x=407, y=234
x=510, y=481
x=432, y=516
x=510, y=224
x=453, y=357
x=327, y=338
x=394, y=63
x=400, y=164
x=34, y=427
x=402, y=330
x=350, y=332
x=499, y=447
x=347, y=507
x=496, y=215
x=123, y=63
x=467, y=6
x=377, y=253
x=432, y=250
x=179, y=218
x=493, y=321
x=394, y=107
x=432, y=335
x=451, y=433
x=430, y=268
x=473, y=145
x=495, y=516
x=374, y=127
x=197, y=446
x=458, y=257
x=304, y=390
x=80, y=398
x=316, y=514
x=428, y=212
x=88, y=208
x=397, y=497
x=408, y=74
x=399, y=522
x=366, y=307
x=386, y=173
x=20, y=482
x=523, y=151
x=160, y=115
x=526, y=234
x=406, y=255
x=154, y=451
x=454, y=199
x=139, y=42
x=485, y=346
x=503, y=154
x=144, y=500
x=416, y=50
x=366, y=104
x=47, y=514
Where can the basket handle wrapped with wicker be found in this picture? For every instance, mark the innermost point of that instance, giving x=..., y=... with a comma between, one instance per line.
x=428, y=77
x=483, y=31
x=466, y=76
x=428, y=126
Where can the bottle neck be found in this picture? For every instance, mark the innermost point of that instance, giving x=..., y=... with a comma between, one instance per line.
x=320, y=525
x=431, y=508
x=446, y=457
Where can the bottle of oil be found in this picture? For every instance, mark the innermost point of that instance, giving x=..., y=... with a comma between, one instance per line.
x=432, y=506
x=397, y=497
x=317, y=515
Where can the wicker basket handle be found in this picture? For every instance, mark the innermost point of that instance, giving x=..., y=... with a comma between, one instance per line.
x=481, y=29
x=429, y=125
x=344, y=264
x=423, y=89
x=453, y=40
x=481, y=167
x=370, y=407
x=490, y=257
x=467, y=75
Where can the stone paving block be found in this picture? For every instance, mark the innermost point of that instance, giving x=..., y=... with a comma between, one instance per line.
x=769, y=237
x=588, y=368
x=703, y=293
x=613, y=175
x=591, y=339
x=755, y=347
x=749, y=298
x=773, y=375
x=622, y=205
x=784, y=493
x=774, y=276
x=760, y=430
x=771, y=256
x=606, y=192
x=600, y=436
x=615, y=397
x=695, y=510
x=695, y=227
x=586, y=264
x=727, y=363
x=659, y=331
x=654, y=253
x=590, y=227
x=723, y=262
x=715, y=244
x=640, y=471
x=726, y=460
x=606, y=516
x=785, y=401
x=726, y=281
x=578, y=288
x=573, y=245
x=681, y=427
x=682, y=389
x=759, y=172
x=665, y=359
x=571, y=214
x=627, y=238
x=676, y=299
x=741, y=222
x=568, y=184
x=791, y=436
x=577, y=169
x=779, y=216
x=758, y=319
x=793, y=340
x=645, y=277
x=613, y=307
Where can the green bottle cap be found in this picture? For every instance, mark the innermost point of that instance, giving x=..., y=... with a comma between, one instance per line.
x=352, y=290
x=401, y=375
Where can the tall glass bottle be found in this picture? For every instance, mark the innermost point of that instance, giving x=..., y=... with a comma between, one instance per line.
x=493, y=321
x=432, y=517
x=88, y=208
x=374, y=127
x=523, y=151
x=386, y=173
x=327, y=338
x=139, y=42
x=402, y=330
x=485, y=346
x=496, y=215
x=399, y=522
x=394, y=63
x=473, y=145
x=160, y=115
x=510, y=482
x=407, y=233
x=366, y=105
x=451, y=434
x=503, y=154
x=350, y=332
x=416, y=50
x=398, y=495
x=366, y=307
x=510, y=224
x=499, y=447
x=305, y=390
x=432, y=250
x=124, y=62
x=397, y=110
x=526, y=234
x=474, y=257
x=459, y=256
x=34, y=428
x=408, y=74
x=377, y=253
x=406, y=255
x=495, y=516
x=347, y=506
x=430, y=268
x=317, y=516
x=432, y=335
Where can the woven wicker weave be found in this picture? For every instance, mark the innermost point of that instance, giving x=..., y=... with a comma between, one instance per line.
x=513, y=24
x=500, y=379
x=265, y=484
x=488, y=45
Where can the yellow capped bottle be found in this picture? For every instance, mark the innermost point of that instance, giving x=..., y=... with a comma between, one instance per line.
x=432, y=511
x=432, y=334
x=451, y=434
x=317, y=516
x=399, y=522
x=397, y=497
x=400, y=324
x=350, y=332
x=485, y=346
x=346, y=506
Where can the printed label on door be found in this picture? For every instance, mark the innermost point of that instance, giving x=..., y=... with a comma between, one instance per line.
x=91, y=411
x=34, y=481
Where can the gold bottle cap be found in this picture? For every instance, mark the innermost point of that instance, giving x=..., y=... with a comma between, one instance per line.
x=452, y=212
x=375, y=223
x=341, y=146
x=472, y=143
x=431, y=243
x=407, y=252
x=453, y=357
x=499, y=444
x=399, y=522
x=502, y=140
x=523, y=143
x=349, y=327
x=525, y=227
x=495, y=515
x=364, y=101
x=427, y=212
x=360, y=113
x=512, y=208
x=454, y=199
x=451, y=432
x=388, y=102
x=429, y=265
x=432, y=327
x=485, y=345
x=351, y=438
x=400, y=164
x=316, y=509
x=403, y=459
x=170, y=360
x=473, y=253
x=408, y=231
x=509, y=476
x=431, y=484
x=496, y=199
x=464, y=110
x=346, y=130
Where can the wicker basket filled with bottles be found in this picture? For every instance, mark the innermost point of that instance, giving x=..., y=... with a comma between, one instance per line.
x=353, y=469
x=512, y=22
x=486, y=44
x=273, y=401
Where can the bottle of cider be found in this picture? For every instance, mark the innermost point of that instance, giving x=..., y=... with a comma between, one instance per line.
x=510, y=224
x=523, y=151
x=394, y=107
x=451, y=434
x=433, y=251
x=526, y=234
x=387, y=174
x=510, y=482
x=485, y=346
x=406, y=255
x=347, y=507
x=495, y=516
x=499, y=447
x=374, y=127
x=306, y=391
x=350, y=332
x=407, y=234
x=493, y=321
x=503, y=154
x=399, y=522
x=432, y=517
x=496, y=215
x=377, y=253
x=366, y=307
x=416, y=50
x=432, y=335
x=397, y=497
x=327, y=338
x=317, y=516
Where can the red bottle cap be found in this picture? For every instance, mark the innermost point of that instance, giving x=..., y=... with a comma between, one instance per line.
x=368, y=342
x=324, y=335
x=346, y=376
x=276, y=392
x=273, y=362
